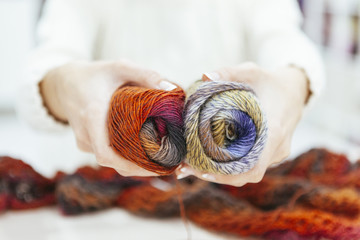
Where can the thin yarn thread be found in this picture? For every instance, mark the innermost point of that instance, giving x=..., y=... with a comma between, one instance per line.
x=314, y=196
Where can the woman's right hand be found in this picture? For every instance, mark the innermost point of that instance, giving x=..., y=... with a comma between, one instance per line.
x=282, y=93
x=79, y=93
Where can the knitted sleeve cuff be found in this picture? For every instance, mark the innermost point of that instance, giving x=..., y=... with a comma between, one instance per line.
x=31, y=108
x=315, y=83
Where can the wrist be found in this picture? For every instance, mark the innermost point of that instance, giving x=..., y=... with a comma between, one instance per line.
x=49, y=87
x=305, y=78
x=296, y=83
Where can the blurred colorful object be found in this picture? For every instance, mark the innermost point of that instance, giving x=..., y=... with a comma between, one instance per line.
x=21, y=187
x=146, y=127
x=225, y=128
x=334, y=25
x=315, y=196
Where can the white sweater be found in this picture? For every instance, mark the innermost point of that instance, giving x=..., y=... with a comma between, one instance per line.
x=180, y=39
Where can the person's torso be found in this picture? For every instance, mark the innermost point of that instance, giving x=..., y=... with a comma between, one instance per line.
x=180, y=39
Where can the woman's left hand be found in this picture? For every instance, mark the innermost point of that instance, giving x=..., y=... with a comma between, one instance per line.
x=282, y=95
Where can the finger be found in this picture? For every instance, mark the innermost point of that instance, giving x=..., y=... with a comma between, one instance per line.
x=105, y=155
x=83, y=146
x=82, y=137
x=166, y=85
x=217, y=178
x=131, y=174
x=183, y=171
x=255, y=175
x=282, y=152
x=109, y=158
x=245, y=72
x=148, y=78
x=142, y=77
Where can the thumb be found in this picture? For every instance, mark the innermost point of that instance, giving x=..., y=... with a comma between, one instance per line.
x=234, y=73
x=138, y=75
x=151, y=79
x=215, y=76
x=166, y=85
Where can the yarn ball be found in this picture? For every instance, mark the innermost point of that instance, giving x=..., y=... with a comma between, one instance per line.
x=146, y=127
x=225, y=128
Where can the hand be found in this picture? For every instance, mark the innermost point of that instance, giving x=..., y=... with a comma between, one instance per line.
x=80, y=93
x=282, y=95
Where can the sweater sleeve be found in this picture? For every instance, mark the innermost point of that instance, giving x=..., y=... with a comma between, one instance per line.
x=276, y=40
x=66, y=32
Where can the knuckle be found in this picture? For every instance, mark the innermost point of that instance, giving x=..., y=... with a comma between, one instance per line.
x=102, y=161
x=124, y=173
x=250, y=71
x=257, y=177
x=100, y=152
x=84, y=115
x=80, y=140
x=277, y=160
x=279, y=131
x=251, y=66
x=239, y=184
x=151, y=76
x=227, y=74
x=83, y=147
x=123, y=67
x=122, y=63
x=285, y=151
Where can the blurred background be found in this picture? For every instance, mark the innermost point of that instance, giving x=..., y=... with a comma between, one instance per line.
x=333, y=121
x=335, y=27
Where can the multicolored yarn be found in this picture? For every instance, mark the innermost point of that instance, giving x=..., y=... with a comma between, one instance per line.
x=316, y=196
x=21, y=187
x=225, y=129
x=90, y=189
x=146, y=127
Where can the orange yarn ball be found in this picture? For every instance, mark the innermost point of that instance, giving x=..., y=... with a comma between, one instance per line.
x=146, y=127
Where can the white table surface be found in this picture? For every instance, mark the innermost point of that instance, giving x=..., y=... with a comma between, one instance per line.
x=50, y=152
x=112, y=224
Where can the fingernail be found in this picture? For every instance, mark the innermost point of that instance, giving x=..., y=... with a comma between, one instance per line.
x=208, y=177
x=211, y=76
x=182, y=175
x=160, y=184
x=185, y=171
x=167, y=86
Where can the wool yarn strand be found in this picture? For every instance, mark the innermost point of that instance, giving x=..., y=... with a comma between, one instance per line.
x=146, y=127
x=316, y=196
